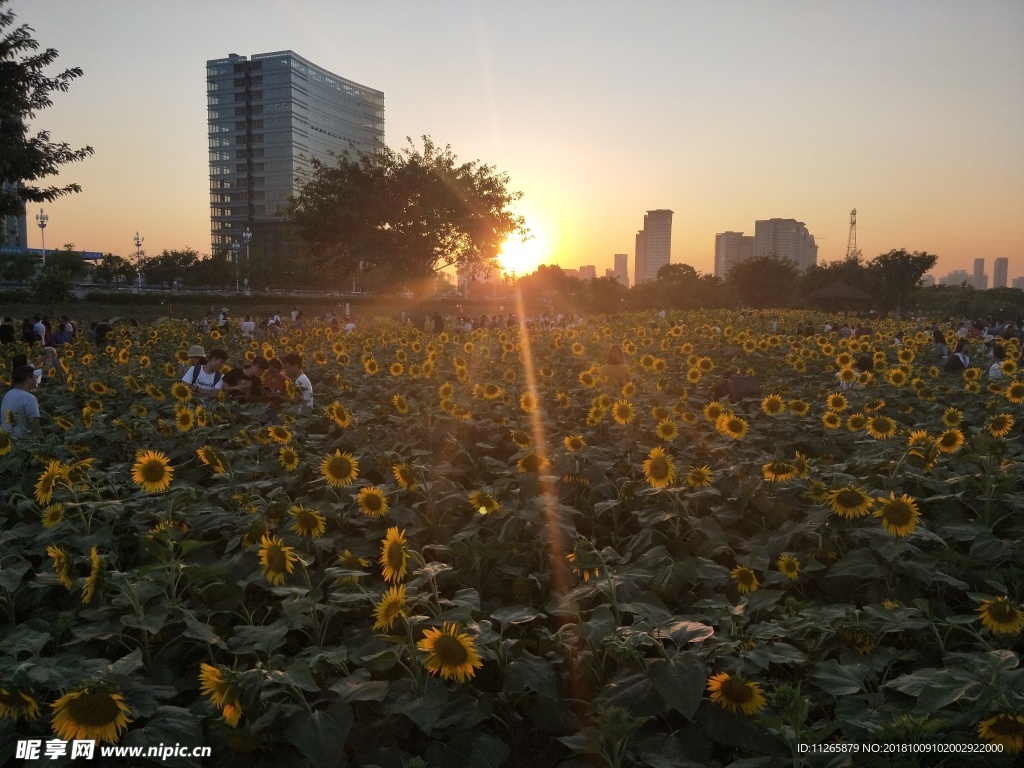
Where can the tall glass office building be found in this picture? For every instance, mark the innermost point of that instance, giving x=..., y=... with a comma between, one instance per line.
x=269, y=115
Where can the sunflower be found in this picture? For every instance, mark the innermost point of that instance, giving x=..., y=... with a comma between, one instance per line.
x=450, y=653
x=352, y=562
x=699, y=477
x=896, y=377
x=489, y=391
x=396, y=369
x=950, y=441
x=531, y=462
x=308, y=522
x=520, y=438
x=667, y=430
x=288, y=458
x=61, y=564
x=856, y=422
x=732, y=426
x=789, y=566
x=881, y=427
x=277, y=559
x=394, y=557
x=735, y=694
x=836, y=402
x=337, y=413
x=372, y=501
x=778, y=471
x=404, y=476
x=850, y=502
x=831, y=420
x=773, y=405
x=1000, y=425
x=15, y=703
x=47, y=482
x=93, y=580
x=659, y=470
x=184, y=419
x=1001, y=615
x=390, y=607
x=279, y=434
x=52, y=514
x=340, y=469
x=952, y=417
x=152, y=472
x=62, y=422
x=622, y=412
x=799, y=407
x=216, y=683
x=90, y=713
x=1005, y=729
x=179, y=391
x=899, y=516
x=483, y=502
x=527, y=402
x=712, y=411
x=745, y=578
x=574, y=442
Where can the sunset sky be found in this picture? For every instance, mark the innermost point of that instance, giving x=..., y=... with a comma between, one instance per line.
x=725, y=112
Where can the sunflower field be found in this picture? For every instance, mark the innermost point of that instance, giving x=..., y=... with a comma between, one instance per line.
x=475, y=551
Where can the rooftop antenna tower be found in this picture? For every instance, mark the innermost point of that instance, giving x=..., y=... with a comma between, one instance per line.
x=851, y=244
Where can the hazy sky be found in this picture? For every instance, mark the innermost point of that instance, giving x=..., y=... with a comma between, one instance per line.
x=725, y=112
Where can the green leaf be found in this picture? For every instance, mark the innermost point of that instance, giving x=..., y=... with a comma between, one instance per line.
x=861, y=564
x=197, y=630
x=515, y=614
x=12, y=574
x=837, y=679
x=531, y=673
x=321, y=737
x=359, y=687
x=680, y=683
x=297, y=675
x=682, y=631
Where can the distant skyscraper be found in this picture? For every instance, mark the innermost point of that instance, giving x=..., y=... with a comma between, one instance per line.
x=1018, y=282
x=957, y=277
x=621, y=271
x=653, y=245
x=927, y=281
x=731, y=248
x=979, y=279
x=999, y=272
x=268, y=117
x=15, y=228
x=787, y=239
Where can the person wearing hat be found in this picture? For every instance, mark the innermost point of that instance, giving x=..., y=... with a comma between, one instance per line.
x=207, y=380
x=196, y=356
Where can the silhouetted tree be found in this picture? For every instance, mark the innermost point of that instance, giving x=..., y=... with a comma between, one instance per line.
x=895, y=275
x=417, y=211
x=113, y=269
x=68, y=260
x=18, y=267
x=763, y=281
x=24, y=90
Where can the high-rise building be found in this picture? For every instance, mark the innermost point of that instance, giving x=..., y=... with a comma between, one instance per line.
x=957, y=277
x=730, y=249
x=999, y=272
x=15, y=228
x=787, y=239
x=978, y=278
x=653, y=245
x=1018, y=282
x=621, y=271
x=268, y=117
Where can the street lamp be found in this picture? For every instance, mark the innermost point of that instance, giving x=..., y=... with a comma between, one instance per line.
x=42, y=218
x=234, y=257
x=138, y=256
x=247, y=236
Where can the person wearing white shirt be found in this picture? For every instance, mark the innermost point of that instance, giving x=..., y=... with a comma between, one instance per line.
x=248, y=327
x=303, y=387
x=207, y=380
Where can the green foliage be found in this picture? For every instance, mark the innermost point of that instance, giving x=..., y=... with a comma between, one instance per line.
x=18, y=267
x=25, y=89
x=52, y=286
x=114, y=269
x=68, y=260
x=895, y=275
x=415, y=211
x=763, y=281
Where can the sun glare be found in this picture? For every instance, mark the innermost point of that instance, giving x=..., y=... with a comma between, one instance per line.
x=521, y=257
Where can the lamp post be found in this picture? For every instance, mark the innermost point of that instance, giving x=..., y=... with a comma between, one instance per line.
x=234, y=257
x=247, y=236
x=41, y=219
x=138, y=256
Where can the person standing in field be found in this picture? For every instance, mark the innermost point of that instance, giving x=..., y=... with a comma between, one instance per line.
x=19, y=411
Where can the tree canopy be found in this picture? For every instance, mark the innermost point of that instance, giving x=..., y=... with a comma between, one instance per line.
x=26, y=159
x=763, y=281
x=413, y=212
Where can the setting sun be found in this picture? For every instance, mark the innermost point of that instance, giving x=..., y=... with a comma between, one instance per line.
x=521, y=257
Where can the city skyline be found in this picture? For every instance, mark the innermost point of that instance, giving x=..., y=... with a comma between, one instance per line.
x=727, y=113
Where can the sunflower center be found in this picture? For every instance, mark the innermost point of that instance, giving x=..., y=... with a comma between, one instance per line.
x=93, y=709
x=1002, y=612
x=277, y=561
x=849, y=499
x=153, y=471
x=737, y=691
x=659, y=468
x=394, y=554
x=898, y=513
x=372, y=502
x=450, y=651
x=340, y=467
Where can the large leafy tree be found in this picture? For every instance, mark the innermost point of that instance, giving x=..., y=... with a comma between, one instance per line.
x=763, y=281
x=114, y=269
x=895, y=275
x=412, y=213
x=27, y=158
